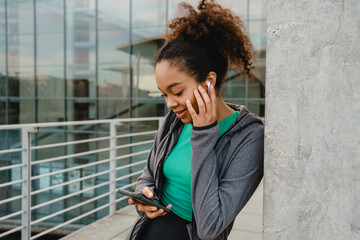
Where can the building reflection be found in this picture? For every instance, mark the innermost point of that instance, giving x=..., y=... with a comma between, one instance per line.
x=73, y=60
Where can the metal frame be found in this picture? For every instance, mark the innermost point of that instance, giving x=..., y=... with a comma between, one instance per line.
x=108, y=171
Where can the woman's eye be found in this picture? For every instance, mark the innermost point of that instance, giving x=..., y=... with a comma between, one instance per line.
x=178, y=94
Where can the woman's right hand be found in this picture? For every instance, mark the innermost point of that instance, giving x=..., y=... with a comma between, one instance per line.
x=151, y=211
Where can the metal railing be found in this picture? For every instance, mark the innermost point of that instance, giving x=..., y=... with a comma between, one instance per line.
x=108, y=170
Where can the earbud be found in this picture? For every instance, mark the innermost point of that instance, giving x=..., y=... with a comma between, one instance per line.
x=208, y=85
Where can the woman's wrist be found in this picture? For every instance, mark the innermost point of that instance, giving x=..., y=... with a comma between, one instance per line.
x=205, y=127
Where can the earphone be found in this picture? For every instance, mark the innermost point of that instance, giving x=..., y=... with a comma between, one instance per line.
x=208, y=85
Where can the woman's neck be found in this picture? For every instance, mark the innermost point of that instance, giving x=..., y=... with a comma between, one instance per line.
x=222, y=110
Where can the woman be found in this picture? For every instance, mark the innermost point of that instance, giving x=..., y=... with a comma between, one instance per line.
x=207, y=157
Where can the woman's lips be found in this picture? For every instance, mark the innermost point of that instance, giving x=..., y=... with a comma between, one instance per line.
x=181, y=114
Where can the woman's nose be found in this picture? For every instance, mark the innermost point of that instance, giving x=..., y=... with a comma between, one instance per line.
x=171, y=103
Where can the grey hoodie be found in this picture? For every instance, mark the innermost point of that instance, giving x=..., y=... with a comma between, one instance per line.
x=224, y=172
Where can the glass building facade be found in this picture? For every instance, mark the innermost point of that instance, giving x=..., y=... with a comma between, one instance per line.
x=72, y=60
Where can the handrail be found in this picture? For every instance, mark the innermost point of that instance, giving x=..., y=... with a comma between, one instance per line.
x=11, y=183
x=11, y=167
x=69, y=156
x=70, y=208
x=68, y=196
x=70, y=143
x=11, y=231
x=71, y=169
x=11, y=151
x=101, y=172
x=11, y=199
x=69, y=182
x=74, y=123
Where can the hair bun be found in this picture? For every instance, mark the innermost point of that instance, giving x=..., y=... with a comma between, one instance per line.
x=202, y=5
x=215, y=32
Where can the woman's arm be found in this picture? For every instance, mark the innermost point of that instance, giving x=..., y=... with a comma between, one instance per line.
x=216, y=202
x=146, y=181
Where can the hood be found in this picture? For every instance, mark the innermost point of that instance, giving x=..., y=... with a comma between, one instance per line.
x=244, y=119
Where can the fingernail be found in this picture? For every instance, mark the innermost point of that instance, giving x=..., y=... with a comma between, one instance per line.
x=188, y=101
x=154, y=208
x=150, y=194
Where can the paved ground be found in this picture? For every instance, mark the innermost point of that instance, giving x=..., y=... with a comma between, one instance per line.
x=248, y=224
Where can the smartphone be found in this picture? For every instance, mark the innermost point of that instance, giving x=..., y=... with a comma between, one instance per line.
x=143, y=200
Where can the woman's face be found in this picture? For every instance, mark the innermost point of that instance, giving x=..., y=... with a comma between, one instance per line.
x=177, y=87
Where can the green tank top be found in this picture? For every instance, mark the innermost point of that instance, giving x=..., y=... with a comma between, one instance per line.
x=177, y=171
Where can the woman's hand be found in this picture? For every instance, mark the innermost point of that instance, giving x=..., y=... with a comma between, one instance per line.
x=151, y=211
x=207, y=107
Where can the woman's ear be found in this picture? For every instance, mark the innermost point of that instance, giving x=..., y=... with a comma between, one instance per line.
x=211, y=77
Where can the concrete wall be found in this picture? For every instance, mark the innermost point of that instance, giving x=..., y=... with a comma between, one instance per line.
x=312, y=145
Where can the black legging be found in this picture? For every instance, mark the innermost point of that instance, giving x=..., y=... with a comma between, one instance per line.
x=165, y=227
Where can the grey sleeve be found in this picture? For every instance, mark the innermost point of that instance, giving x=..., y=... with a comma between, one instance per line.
x=216, y=202
x=146, y=179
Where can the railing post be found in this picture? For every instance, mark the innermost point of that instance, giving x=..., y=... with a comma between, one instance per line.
x=26, y=184
x=112, y=168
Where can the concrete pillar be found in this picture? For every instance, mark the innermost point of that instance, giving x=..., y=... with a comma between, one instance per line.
x=312, y=121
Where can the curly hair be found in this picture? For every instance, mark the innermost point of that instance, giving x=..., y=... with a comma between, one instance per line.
x=210, y=39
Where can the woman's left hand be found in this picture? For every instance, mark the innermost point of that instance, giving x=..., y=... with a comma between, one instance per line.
x=207, y=107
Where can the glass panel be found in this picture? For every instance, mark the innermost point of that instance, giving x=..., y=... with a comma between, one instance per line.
x=21, y=82
x=2, y=54
x=235, y=86
x=22, y=111
x=260, y=71
x=2, y=113
x=113, y=15
x=2, y=67
x=21, y=50
x=80, y=109
x=2, y=18
x=257, y=107
x=80, y=15
x=113, y=81
x=50, y=82
x=50, y=50
x=109, y=109
x=256, y=89
x=239, y=7
x=20, y=17
x=173, y=7
x=51, y=110
x=148, y=108
x=49, y=16
x=20, y=1
x=81, y=81
x=80, y=48
x=257, y=30
x=148, y=18
x=257, y=9
x=144, y=84
x=2, y=84
x=238, y=102
x=114, y=47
